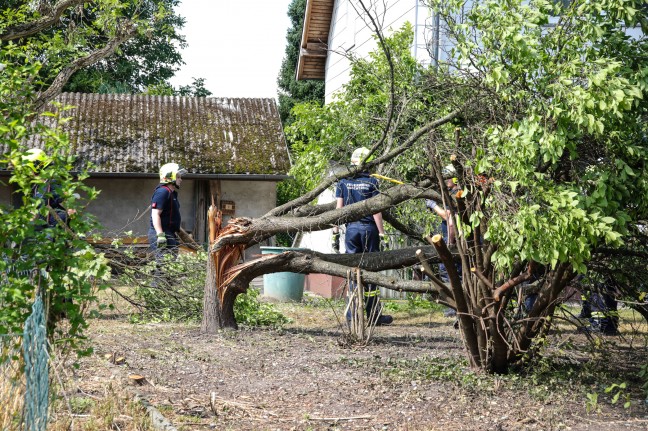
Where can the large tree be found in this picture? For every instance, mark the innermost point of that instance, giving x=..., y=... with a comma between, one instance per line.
x=541, y=111
x=67, y=36
x=147, y=60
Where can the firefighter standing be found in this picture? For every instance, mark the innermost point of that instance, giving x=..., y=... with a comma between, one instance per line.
x=364, y=235
x=165, y=211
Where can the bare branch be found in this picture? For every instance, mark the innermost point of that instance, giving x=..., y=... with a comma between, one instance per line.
x=326, y=183
x=254, y=230
x=307, y=262
x=392, y=86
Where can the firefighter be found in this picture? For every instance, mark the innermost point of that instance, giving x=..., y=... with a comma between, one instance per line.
x=165, y=212
x=447, y=226
x=48, y=193
x=364, y=235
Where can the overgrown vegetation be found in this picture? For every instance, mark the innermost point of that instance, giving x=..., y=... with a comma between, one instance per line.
x=41, y=254
x=173, y=291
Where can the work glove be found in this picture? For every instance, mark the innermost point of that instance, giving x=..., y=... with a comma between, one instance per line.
x=161, y=240
x=384, y=242
x=335, y=242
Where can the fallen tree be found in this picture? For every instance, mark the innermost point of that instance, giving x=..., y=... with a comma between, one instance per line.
x=544, y=129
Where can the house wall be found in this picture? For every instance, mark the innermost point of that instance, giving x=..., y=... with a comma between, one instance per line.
x=123, y=205
x=252, y=199
x=349, y=33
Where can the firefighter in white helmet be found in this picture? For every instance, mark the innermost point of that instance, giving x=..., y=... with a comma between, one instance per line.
x=165, y=211
x=364, y=235
x=49, y=192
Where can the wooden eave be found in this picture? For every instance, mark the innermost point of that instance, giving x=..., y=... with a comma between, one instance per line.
x=314, y=43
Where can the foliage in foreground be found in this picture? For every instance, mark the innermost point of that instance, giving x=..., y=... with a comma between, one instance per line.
x=55, y=263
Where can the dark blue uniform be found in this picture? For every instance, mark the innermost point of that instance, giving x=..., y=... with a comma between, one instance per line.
x=361, y=236
x=165, y=199
x=49, y=195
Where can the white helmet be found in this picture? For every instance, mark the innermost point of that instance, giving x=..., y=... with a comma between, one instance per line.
x=169, y=173
x=359, y=155
x=34, y=155
x=449, y=170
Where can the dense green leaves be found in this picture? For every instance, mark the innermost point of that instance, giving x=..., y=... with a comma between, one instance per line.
x=581, y=79
x=106, y=46
x=147, y=60
x=55, y=261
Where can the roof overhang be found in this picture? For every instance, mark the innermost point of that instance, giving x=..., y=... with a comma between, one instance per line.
x=315, y=36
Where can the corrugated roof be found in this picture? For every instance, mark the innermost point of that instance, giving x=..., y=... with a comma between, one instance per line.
x=120, y=133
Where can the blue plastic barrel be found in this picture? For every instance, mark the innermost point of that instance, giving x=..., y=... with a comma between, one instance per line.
x=283, y=286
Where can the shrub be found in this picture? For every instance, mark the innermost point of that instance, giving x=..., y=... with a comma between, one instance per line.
x=174, y=292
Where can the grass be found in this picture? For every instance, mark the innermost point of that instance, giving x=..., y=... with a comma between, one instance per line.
x=114, y=410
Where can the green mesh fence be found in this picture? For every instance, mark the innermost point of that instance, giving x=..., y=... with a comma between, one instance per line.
x=24, y=375
x=36, y=369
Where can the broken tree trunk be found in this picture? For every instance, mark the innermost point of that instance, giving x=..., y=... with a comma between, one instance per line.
x=218, y=302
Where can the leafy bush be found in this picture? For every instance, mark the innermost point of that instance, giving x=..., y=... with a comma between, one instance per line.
x=50, y=260
x=415, y=302
x=252, y=312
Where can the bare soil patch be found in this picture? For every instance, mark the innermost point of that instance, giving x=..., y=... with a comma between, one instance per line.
x=410, y=377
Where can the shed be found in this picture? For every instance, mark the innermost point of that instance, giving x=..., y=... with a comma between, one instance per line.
x=233, y=149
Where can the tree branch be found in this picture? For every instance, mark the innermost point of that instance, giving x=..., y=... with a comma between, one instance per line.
x=307, y=262
x=64, y=75
x=33, y=27
x=255, y=230
x=326, y=183
x=392, y=85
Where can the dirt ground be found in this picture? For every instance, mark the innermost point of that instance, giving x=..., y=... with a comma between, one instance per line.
x=410, y=377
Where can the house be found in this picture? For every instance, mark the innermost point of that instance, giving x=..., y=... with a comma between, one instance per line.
x=335, y=28
x=233, y=149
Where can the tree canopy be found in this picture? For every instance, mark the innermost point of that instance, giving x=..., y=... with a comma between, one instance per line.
x=123, y=46
x=145, y=61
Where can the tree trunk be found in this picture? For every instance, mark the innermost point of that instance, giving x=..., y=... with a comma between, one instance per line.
x=211, y=319
x=220, y=294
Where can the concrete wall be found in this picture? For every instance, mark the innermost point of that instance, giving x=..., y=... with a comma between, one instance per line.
x=252, y=199
x=123, y=204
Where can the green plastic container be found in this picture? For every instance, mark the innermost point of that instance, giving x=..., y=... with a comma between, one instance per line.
x=283, y=286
